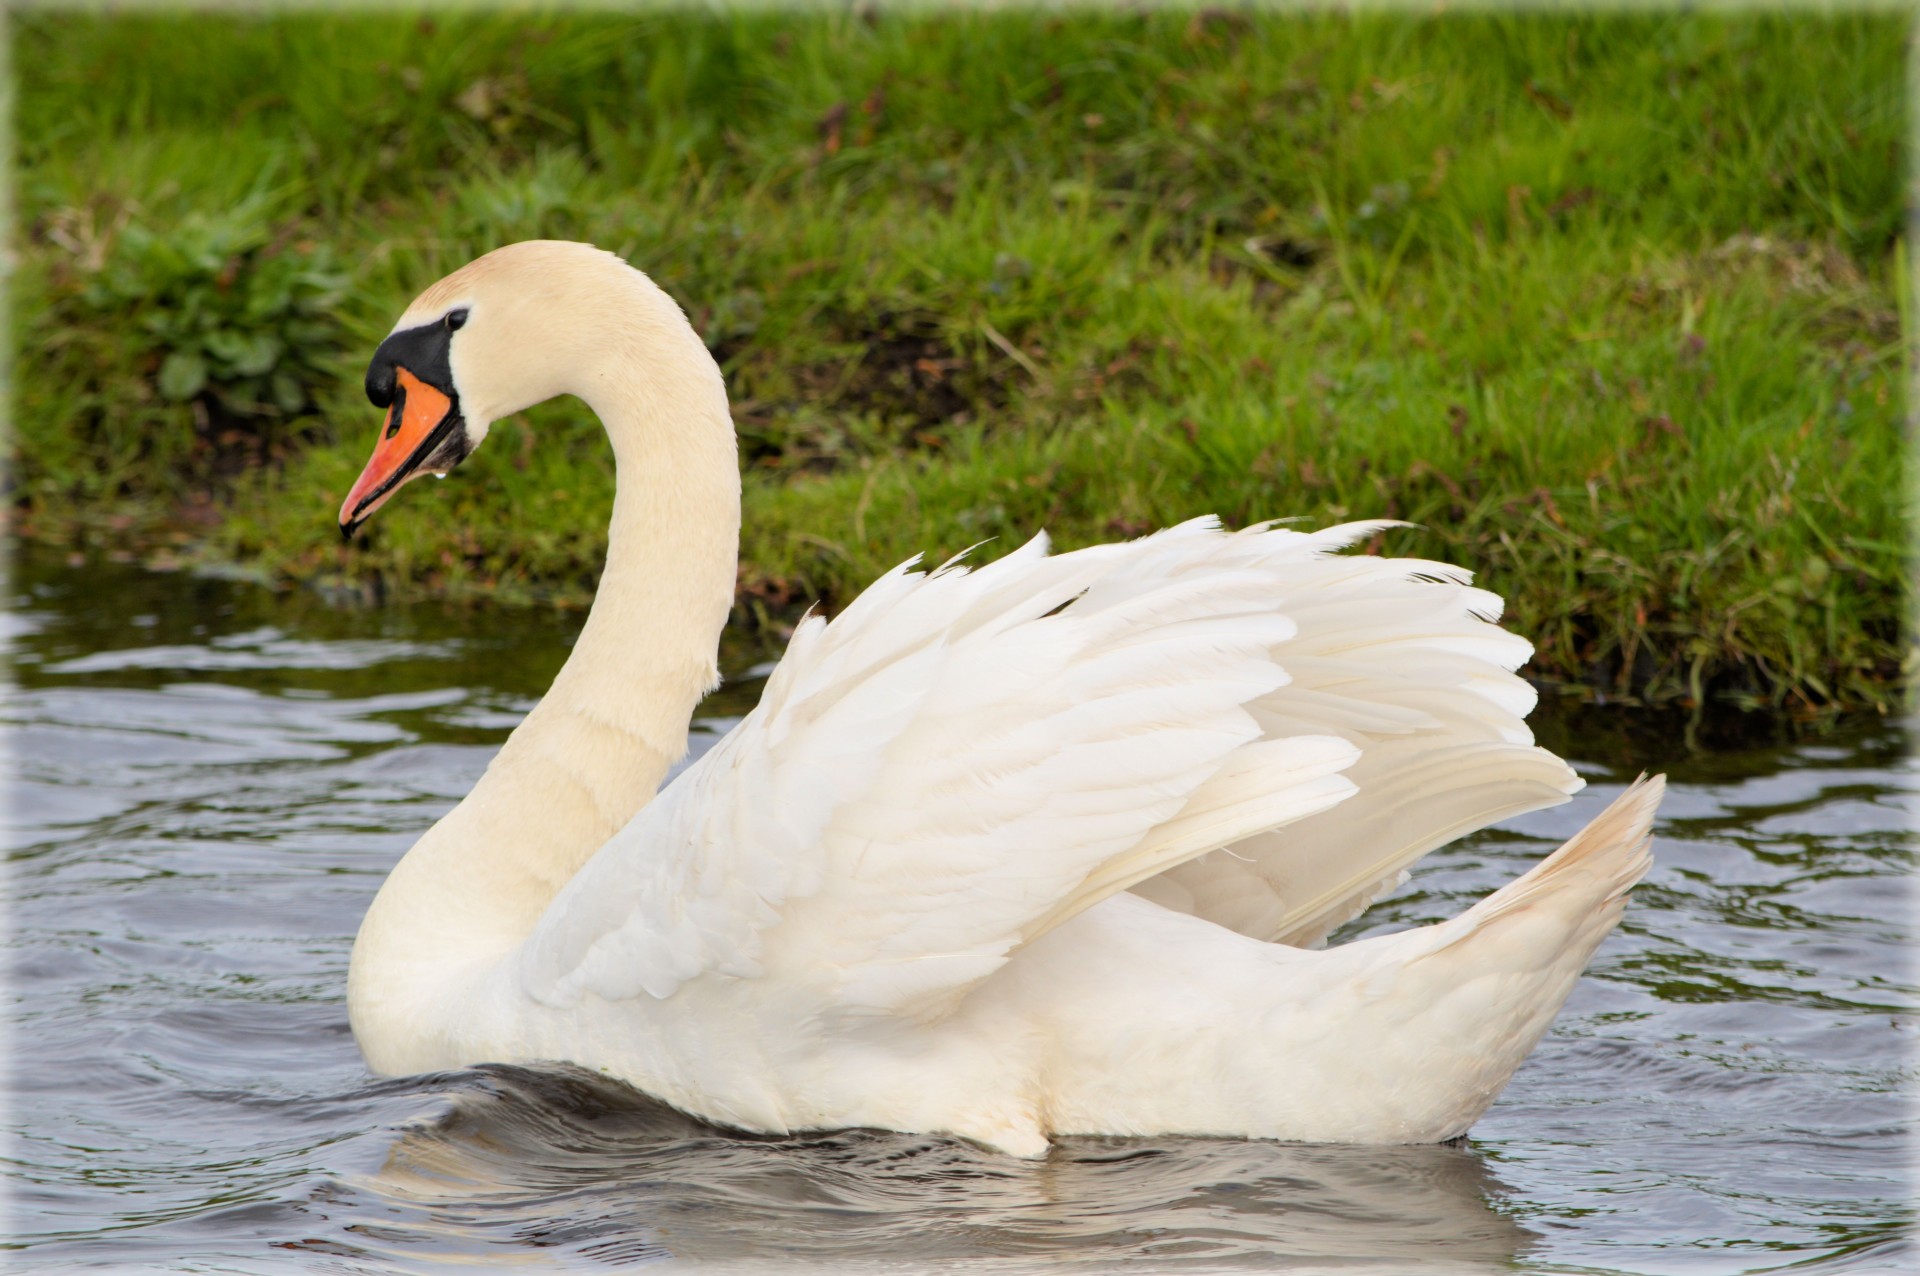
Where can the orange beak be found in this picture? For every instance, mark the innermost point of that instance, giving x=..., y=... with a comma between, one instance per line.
x=416, y=439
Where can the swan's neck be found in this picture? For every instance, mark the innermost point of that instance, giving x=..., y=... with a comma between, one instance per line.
x=595, y=749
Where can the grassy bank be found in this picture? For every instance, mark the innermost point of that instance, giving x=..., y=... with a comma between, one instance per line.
x=1607, y=305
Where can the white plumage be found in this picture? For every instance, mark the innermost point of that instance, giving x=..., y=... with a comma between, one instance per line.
x=1027, y=849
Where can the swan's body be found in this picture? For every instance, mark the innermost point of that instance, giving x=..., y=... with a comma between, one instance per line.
x=1024, y=851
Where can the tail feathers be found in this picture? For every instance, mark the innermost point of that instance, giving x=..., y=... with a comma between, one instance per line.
x=1616, y=846
x=1594, y=869
x=1484, y=986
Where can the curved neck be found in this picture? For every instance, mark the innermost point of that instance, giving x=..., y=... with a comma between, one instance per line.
x=600, y=741
x=595, y=749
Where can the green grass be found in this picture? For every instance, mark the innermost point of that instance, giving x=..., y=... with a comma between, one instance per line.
x=1607, y=306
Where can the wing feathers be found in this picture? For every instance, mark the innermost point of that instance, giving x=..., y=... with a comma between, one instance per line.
x=964, y=759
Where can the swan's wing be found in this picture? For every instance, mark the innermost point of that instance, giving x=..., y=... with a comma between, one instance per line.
x=956, y=763
x=962, y=760
x=1401, y=659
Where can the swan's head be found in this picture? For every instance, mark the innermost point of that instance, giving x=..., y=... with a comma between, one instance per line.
x=506, y=331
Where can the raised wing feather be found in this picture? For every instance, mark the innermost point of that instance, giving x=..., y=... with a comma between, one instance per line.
x=956, y=763
x=1401, y=659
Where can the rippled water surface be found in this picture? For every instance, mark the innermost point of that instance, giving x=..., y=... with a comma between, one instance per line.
x=211, y=781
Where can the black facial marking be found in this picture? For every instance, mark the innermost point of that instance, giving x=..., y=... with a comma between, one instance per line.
x=424, y=351
x=399, y=412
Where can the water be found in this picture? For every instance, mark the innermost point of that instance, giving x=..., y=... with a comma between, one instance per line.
x=212, y=781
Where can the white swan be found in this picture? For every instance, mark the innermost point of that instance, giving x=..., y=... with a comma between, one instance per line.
x=1029, y=850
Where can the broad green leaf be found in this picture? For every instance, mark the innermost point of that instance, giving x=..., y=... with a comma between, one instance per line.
x=183, y=375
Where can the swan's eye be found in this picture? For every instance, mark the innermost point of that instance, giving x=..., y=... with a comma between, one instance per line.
x=456, y=319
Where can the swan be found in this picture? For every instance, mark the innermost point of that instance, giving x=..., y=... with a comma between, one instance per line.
x=1045, y=847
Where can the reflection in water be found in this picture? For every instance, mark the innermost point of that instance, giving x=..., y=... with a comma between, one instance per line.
x=634, y=1179
x=211, y=781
